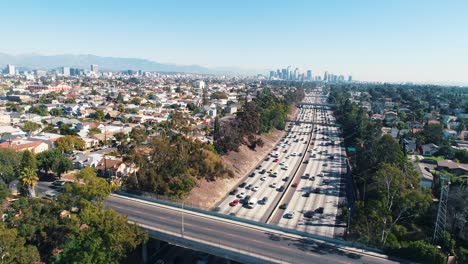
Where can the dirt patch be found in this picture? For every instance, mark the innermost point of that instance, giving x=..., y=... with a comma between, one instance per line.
x=206, y=194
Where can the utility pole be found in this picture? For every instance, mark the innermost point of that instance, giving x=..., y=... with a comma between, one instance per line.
x=442, y=209
x=182, y=227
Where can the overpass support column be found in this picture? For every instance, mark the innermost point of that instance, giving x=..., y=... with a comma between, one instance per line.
x=144, y=252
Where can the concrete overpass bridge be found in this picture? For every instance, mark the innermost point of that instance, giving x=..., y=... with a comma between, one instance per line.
x=237, y=239
x=304, y=104
x=310, y=122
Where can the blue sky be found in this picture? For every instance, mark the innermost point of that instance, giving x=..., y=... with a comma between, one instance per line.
x=412, y=40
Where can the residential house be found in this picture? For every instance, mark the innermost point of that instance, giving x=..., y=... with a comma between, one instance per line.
x=429, y=149
x=22, y=144
x=452, y=167
x=426, y=177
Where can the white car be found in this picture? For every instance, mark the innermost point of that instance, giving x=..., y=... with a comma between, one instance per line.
x=255, y=188
x=241, y=195
x=273, y=185
x=286, y=167
x=282, y=163
x=263, y=178
x=289, y=214
x=294, y=154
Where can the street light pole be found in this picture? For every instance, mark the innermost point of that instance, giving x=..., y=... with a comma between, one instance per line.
x=349, y=220
x=182, y=212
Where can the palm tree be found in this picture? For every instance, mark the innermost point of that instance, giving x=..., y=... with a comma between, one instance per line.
x=28, y=178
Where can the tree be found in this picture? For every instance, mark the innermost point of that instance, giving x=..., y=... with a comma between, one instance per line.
x=56, y=112
x=31, y=126
x=28, y=179
x=9, y=164
x=120, y=99
x=67, y=129
x=94, y=130
x=433, y=133
x=69, y=143
x=46, y=159
x=138, y=135
x=13, y=247
x=94, y=188
x=39, y=110
x=99, y=115
x=28, y=160
x=61, y=165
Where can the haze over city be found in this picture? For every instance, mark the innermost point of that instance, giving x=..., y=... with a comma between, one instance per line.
x=396, y=41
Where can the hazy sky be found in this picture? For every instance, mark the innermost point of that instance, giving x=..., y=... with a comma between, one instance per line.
x=392, y=40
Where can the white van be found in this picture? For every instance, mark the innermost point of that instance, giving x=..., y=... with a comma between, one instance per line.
x=252, y=202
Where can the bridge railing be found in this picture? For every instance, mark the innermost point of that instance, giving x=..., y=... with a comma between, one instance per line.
x=176, y=203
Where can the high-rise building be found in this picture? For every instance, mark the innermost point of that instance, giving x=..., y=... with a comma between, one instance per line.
x=10, y=69
x=272, y=74
x=309, y=75
x=284, y=74
x=296, y=74
x=289, y=73
x=94, y=68
x=350, y=78
x=65, y=71
x=325, y=76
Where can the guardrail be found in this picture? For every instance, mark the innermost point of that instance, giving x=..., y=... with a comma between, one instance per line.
x=251, y=222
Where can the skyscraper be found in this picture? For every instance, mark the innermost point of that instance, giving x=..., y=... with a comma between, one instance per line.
x=284, y=74
x=65, y=71
x=325, y=76
x=10, y=69
x=289, y=77
x=350, y=78
x=94, y=68
x=309, y=75
x=296, y=74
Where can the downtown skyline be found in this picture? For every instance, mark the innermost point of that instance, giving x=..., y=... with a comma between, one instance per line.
x=393, y=42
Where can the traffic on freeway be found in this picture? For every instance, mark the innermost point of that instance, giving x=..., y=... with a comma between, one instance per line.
x=298, y=185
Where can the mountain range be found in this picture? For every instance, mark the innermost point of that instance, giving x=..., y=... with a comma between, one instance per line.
x=83, y=61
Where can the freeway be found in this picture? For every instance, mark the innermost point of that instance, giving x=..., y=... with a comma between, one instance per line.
x=308, y=167
x=274, y=246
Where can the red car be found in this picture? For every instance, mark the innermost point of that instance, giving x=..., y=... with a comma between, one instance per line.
x=295, y=184
x=275, y=149
x=276, y=160
x=234, y=203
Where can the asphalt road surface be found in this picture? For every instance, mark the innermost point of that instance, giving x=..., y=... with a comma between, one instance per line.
x=236, y=236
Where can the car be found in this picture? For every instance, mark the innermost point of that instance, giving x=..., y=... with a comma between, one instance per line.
x=234, y=192
x=286, y=179
x=295, y=184
x=255, y=188
x=234, y=203
x=248, y=187
x=321, y=174
x=325, y=165
x=285, y=167
x=242, y=185
x=317, y=190
x=283, y=206
x=312, y=178
x=273, y=185
x=309, y=214
x=331, y=157
x=305, y=176
x=306, y=162
x=245, y=200
x=275, y=173
x=319, y=210
x=294, y=154
x=262, y=171
x=259, y=167
x=282, y=163
x=50, y=195
x=59, y=183
x=241, y=195
x=270, y=171
x=267, y=158
x=263, y=201
x=289, y=215
x=275, y=149
x=263, y=178
x=252, y=174
x=306, y=194
x=281, y=188
x=275, y=160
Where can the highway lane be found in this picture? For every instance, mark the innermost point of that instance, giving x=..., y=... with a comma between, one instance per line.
x=265, y=181
x=330, y=184
x=237, y=236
